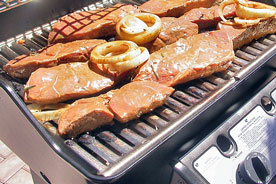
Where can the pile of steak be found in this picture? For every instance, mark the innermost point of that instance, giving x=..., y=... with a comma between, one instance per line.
x=183, y=51
x=127, y=103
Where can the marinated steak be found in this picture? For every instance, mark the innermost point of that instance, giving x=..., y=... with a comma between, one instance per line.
x=65, y=82
x=77, y=51
x=136, y=98
x=85, y=115
x=89, y=24
x=244, y=35
x=173, y=8
x=208, y=17
x=172, y=29
x=187, y=59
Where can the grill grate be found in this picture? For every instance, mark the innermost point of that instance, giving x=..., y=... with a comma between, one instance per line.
x=6, y=5
x=111, y=148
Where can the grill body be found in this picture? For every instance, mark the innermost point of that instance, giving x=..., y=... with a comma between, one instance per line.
x=142, y=151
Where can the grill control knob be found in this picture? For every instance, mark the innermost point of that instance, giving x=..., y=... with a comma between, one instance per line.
x=255, y=169
x=267, y=103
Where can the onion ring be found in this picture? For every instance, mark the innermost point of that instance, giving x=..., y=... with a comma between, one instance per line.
x=113, y=52
x=132, y=63
x=104, y=56
x=246, y=21
x=248, y=12
x=139, y=27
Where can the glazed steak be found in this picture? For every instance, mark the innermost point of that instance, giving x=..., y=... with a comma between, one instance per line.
x=85, y=115
x=194, y=57
x=244, y=35
x=136, y=98
x=65, y=82
x=208, y=17
x=77, y=51
x=89, y=24
x=173, y=8
x=172, y=29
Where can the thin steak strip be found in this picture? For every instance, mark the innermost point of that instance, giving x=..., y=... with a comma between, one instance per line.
x=172, y=30
x=187, y=59
x=244, y=35
x=89, y=24
x=208, y=17
x=65, y=82
x=136, y=98
x=173, y=8
x=77, y=51
x=85, y=115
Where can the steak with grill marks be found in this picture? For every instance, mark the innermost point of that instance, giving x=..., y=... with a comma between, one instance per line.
x=65, y=82
x=194, y=57
x=89, y=24
x=77, y=51
x=208, y=17
x=85, y=115
x=136, y=98
x=244, y=35
x=172, y=29
x=173, y=8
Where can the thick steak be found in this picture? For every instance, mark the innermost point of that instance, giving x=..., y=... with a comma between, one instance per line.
x=136, y=98
x=244, y=35
x=89, y=24
x=208, y=17
x=172, y=29
x=65, y=82
x=85, y=115
x=197, y=56
x=77, y=51
x=173, y=8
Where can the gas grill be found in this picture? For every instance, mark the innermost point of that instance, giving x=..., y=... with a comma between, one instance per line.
x=141, y=151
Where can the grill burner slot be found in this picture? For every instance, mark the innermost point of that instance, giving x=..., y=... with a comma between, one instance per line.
x=106, y=147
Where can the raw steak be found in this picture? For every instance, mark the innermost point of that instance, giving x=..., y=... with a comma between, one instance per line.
x=197, y=56
x=77, y=51
x=244, y=35
x=85, y=115
x=65, y=82
x=173, y=8
x=136, y=98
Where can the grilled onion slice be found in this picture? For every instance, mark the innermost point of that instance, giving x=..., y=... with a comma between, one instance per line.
x=114, y=52
x=248, y=12
x=139, y=27
x=45, y=113
x=119, y=56
x=132, y=63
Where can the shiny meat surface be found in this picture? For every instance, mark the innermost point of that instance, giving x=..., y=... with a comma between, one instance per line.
x=89, y=24
x=208, y=17
x=172, y=30
x=77, y=51
x=85, y=115
x=197, y=56
x=244, y=35
x=136, y=98
x=65, y=82
x=173, y=8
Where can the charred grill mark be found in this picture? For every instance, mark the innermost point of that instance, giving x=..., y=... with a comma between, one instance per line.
x=84, y=17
